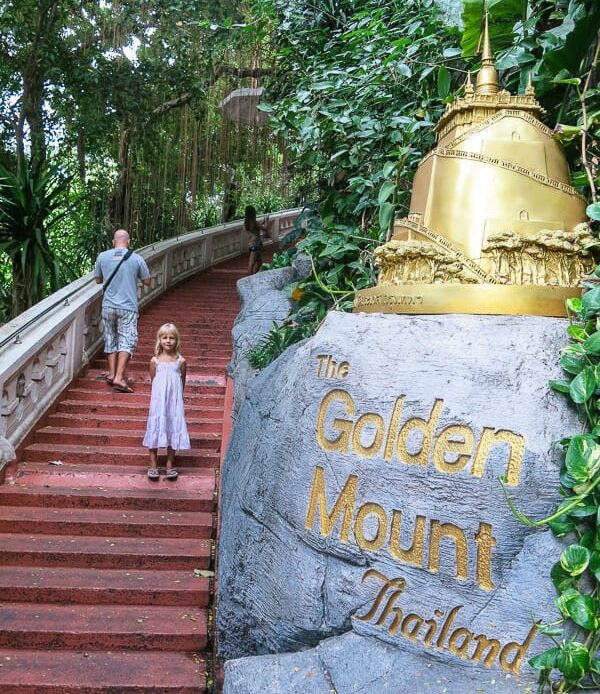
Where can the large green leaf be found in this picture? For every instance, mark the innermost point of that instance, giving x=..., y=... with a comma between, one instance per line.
x=386, y=191
x=386, y=215
x=503, y=15
x=582, y=459
x=573, y=661
x=574, y=559
x=571, y=363
x=592, y=344
x=593, y=211
x=583, y=385
x=546, y=660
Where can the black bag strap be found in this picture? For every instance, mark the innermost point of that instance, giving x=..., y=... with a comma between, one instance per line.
x=114, y=272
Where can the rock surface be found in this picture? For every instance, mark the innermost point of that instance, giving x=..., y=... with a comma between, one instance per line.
x=421, y=565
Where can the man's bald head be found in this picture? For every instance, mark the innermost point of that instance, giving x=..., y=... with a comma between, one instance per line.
x=120, y=239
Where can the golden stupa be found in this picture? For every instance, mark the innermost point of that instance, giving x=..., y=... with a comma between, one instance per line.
x=494, y=226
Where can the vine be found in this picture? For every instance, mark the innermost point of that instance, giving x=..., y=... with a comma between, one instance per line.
x=575, y=636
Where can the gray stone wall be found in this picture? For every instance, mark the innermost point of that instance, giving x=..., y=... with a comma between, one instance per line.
x=263, y=303
x=391, y=434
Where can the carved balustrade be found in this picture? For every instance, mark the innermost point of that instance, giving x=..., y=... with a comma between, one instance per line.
x=44, y=348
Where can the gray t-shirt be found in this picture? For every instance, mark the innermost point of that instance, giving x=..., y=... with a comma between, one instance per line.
x=122, y=291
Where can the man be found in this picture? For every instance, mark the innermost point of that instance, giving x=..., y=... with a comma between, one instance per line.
x=120, y=305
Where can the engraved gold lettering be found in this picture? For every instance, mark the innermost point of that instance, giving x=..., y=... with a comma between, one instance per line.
x=446, y=628
x=321, y=360
x=327, y=367
x=367, y=419
x=411, y=625
x=345, y=501
x=379, y=538
x=438, y=531
x=390, y=608
x=433, y=625
x=489, y=439
x=510, y=657
x=493, y=647
x=343, y=369
x=466, y=636
x=393, y=428
x=397, y=586
x=519, y=649
x=485, y=542
x=427, y=429
x=373, y=535
x=340, y=442
x=415, y=442
x=443, y=445
x=413, y=555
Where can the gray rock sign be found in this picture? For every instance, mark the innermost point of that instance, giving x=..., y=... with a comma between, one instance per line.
x=360, y=494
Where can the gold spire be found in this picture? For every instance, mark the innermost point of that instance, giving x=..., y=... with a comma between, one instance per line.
x=469, y=85
x=487, y=77
x=529, y=90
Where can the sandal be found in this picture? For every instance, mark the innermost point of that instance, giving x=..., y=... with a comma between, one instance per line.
x=171, y=473
x=152, y=473
x=117, y=387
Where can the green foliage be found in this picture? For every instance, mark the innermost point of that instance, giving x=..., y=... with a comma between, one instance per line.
x=126, y=96
x=357, y=92
x=280, y=260
x=504, y=14
x=32, y=203
x=276, y=342
x=576, y=575
x=358, y=88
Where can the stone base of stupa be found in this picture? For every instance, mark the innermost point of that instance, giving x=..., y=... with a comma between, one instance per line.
x=477, y=299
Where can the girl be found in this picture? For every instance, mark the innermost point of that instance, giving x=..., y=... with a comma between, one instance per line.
x=166, y=419
x=255, y=231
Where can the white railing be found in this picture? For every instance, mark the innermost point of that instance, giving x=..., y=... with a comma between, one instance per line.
x=43, y=349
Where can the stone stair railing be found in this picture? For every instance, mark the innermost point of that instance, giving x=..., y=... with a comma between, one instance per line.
x=44, y=348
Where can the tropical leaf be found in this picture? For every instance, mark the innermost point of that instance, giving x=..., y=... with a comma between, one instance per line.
x=503, y=16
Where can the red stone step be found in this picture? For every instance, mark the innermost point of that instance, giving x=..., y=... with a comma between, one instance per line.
x=114, y=437
x=155, y=499
x=104, y=552
x=195, y=388
x=82, y=521
x=111, y=477
x=142, y=396
x=67, y=585
x=98, y=672
x=212, y=410
x=97, y=563
x=72, y=453
x=102, y=627
x=200, y=368
x=135, y=423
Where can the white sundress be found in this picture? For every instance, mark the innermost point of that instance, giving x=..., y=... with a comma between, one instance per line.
x=166, y=417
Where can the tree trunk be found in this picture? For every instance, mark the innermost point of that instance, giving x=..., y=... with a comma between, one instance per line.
x=117, y=202
x=81, y=155
x=33, y=74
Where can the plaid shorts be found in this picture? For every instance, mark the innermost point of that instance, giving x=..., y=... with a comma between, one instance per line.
x=120, y=330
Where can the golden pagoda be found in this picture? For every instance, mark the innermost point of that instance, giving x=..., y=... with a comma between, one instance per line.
x=494, y=226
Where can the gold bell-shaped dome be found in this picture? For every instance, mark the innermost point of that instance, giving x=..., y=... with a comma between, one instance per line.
x=494, y=224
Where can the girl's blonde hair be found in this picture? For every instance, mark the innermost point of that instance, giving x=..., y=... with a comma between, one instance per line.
x=167, y=328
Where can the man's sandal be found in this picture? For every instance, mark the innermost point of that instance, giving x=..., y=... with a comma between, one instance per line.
x=152, y=473
x=171, y=473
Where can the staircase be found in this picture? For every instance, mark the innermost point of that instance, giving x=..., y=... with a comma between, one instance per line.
x=105, y=576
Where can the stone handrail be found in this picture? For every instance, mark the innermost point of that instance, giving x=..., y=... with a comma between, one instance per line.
x=45, y=347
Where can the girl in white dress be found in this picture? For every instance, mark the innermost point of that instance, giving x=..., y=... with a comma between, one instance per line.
x=166, y=426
